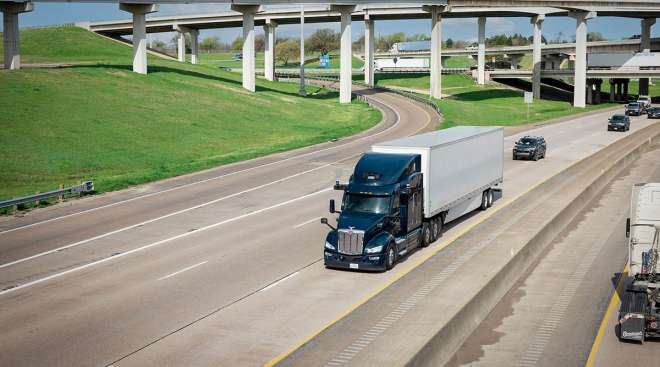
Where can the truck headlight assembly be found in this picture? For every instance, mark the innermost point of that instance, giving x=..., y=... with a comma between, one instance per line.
x=329, y=246
x=374, y=250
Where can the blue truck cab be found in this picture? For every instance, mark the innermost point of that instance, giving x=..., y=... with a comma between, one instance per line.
x=381, y=215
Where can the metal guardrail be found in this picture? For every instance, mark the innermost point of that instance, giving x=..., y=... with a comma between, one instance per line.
x=77, y=189
x=408, y=94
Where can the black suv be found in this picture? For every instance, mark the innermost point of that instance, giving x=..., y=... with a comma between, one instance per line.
x=618, y=123
x=653, y=113
x=634, y=108
x=530, y=147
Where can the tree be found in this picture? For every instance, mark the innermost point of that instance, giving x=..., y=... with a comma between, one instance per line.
x=260, y=42
x=237, y=44
x=418, y=37
x=449, y=43
x=322, y=39
x=595, y=36
x=209, y=44
x=287, y=50
x=175, y=41
x=384, y=43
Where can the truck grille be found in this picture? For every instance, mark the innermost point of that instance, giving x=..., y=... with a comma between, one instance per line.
x=350, y=241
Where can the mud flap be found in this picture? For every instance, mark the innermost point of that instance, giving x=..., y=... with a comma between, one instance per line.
x=632, y=316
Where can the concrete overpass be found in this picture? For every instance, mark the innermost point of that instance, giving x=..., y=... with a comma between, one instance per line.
x=249, y=12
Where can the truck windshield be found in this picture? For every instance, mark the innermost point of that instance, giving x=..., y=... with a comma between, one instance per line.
x=357, y=203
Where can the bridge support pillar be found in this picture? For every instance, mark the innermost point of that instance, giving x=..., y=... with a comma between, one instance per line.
x=625, y=89
x=436, y=50
x=194, y=46
x=369, y=49
x=181, y=46
x=580, y=79
x=481, y=55
x=612, y=90
x=269, y=62
x=593, y=91
x=537, y=24
x=139, y=12
x=10, y=11
x=249, y=74
x=345, y=53
x=645, y=45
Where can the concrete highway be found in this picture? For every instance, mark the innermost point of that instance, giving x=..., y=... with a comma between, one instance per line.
x=552, y=316
x=221, y=267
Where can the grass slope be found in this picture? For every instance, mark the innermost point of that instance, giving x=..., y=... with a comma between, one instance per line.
x=490, y=104
x=104, y=122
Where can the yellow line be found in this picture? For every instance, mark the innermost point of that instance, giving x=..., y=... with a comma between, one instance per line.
x=611, y=308
x=428, y=255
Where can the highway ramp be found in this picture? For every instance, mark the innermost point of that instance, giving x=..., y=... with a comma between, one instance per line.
x=223, y=270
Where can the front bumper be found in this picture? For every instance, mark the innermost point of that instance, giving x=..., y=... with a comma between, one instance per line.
x=521, y=154
x=654, y=116
x=617, y=127
x=372, y=262
x=634, y=113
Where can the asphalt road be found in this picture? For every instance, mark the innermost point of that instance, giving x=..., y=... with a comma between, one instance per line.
x=217, y=268
x=552, y=316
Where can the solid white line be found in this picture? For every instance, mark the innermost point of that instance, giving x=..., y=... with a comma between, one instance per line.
x=213, y=178
x=279, y=281
x=308, y=222
x=158, y=243
x=157, y=219
x=182, y=270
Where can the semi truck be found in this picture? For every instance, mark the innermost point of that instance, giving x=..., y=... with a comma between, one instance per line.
x=402, y=192
x=639, y=316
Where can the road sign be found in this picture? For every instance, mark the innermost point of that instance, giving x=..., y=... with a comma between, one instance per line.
x=324, y=61
x=529, y=97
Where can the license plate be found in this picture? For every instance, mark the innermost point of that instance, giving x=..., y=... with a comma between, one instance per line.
x=354, y=266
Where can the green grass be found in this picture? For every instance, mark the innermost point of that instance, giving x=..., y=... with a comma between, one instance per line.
x=490, y=104
x=103, y=122
x=459, y=62
x=493, y=106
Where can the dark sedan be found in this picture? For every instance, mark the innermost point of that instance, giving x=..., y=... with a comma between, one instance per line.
x=634, y=109
x=618, y=123
x=530, y=147
x=654, y=113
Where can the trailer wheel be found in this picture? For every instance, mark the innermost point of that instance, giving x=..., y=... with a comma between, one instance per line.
x=390, y=257
x=426, y=236
x=484, y=200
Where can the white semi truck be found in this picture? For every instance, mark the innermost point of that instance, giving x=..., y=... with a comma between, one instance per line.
x=639, y=316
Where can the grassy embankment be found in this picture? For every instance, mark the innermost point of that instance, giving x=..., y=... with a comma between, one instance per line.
x=492, y=104
x=103, y=122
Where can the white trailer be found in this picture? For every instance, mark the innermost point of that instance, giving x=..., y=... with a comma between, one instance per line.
x=461, y=167
x=640, y=306
x=401, y=63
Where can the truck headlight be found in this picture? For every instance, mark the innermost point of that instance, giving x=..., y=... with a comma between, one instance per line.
x=329, y=246
x=374, y=250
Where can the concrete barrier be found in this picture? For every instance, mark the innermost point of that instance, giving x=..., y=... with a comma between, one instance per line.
x=594, y=173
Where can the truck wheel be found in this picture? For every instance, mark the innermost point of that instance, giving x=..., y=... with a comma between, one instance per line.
x=435, y=229
x=484, y=200
x=390, y=257
x=490, y=198
x=426, y=235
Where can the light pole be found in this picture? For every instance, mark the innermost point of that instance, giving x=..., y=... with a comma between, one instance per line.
x=302, y=51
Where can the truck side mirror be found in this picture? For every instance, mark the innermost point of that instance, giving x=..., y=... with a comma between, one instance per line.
x=325, y=221
x=628, y=228
x=332, y=206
